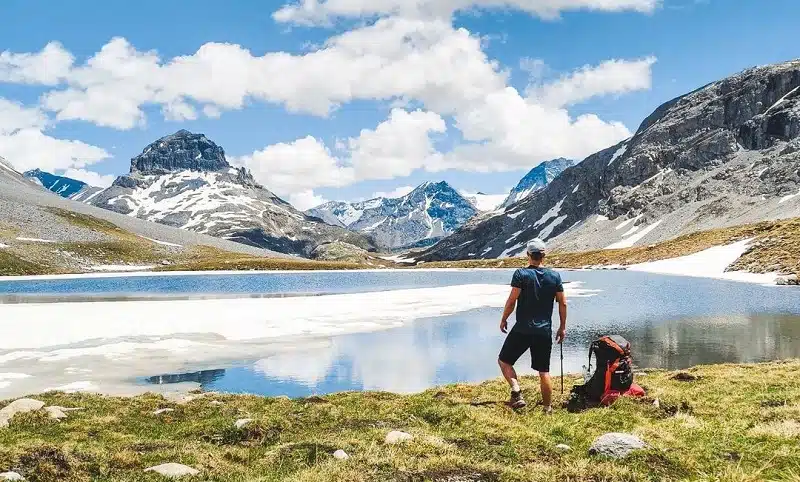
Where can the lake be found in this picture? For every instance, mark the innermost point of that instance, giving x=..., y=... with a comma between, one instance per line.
x=401, y=331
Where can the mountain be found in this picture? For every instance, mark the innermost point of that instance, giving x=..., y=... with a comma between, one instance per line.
x=485, y=202
x=420, y=218
x=63, y=186
x=184, y=180
x=725, y=154
x=538, y=177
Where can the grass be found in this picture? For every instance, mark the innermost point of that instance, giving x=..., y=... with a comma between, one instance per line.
x=13, y=265
x=735, y=423
x=207, y=258
x=776, y=248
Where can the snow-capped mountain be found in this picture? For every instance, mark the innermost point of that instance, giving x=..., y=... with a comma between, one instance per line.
x=63, y=186
x=725, y=154
x=421, y=217
x=536, y=179
x=485, y=202
x=184, y=180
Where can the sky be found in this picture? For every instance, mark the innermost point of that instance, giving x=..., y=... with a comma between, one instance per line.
x=348, y=99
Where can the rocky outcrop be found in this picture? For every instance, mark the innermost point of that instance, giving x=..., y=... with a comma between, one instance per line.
x=420, y=218
x=339, y=251
x=616, y=445
x=183, y=180
x=726, y=154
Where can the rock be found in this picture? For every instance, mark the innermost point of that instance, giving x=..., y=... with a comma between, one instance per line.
x=341, y=455
x=563, y=448
x=215, y=402
x=55, y=413
x=11, y=476
x=339, y=251
x=396, y=437
x=616, y=445
x=22, y=405
x=656, y=403
x=163, y=410
x=685, y=377
x=790, y=280
x=536, y=180
x=173, y=470
x=242, y=422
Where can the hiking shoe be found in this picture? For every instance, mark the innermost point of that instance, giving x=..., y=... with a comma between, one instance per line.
x=548, y=410
x=516, y=400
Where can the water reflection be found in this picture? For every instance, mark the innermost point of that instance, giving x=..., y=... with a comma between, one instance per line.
x=202, y=377
x=464, y=349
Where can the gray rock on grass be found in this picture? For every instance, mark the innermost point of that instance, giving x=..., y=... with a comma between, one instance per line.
x=563, y=448
x=242, y=422
x=23, y=405
x=11, y=476
x=173, y=470
x=616, y=445
x=341, y=455
x=163, y=410
x=396, y=437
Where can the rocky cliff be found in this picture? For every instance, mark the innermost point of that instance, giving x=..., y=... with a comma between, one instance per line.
x=725, y=154
x=184, y=180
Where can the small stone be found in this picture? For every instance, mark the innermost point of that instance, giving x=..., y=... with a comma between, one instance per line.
x=616, y=445
x=55, y=413
x=173, y=470
x=396, y=437
x=656, y=403
x=22, y=405
x=11, y=476
x=163, y=410
x=242, y=422
x=563, y=448
x=215, y=402
x=341, y=455
x=684, y=377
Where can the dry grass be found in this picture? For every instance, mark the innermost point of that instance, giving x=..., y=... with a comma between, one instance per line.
x=776, y=249
x=736, y=422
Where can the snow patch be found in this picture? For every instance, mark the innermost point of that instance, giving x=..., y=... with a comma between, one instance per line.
x=551, y=213
x=81, y=386
x=710, y=263
x=516, y=214
x=781, y=100
x=620, y=152
x=36, y=240
x=576, y=188
x=600, y=218
x=2, y=246
x=120, y=267
x=789, y=197
x=625, y=223
x=548, y=230
x=162, y=243
x=627, y=243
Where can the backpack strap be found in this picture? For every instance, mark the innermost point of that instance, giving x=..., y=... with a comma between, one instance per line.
x=613, y=344
x=612, y=367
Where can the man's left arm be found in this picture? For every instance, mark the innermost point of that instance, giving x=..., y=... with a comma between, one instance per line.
x=511, y=303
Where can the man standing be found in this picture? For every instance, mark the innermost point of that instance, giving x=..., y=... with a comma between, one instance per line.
x=533, y=290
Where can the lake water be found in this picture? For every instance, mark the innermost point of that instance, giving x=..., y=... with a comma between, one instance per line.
x=671, y=322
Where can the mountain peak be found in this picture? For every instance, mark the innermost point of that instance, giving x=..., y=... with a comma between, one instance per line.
x=537, y=178
x=180, y=151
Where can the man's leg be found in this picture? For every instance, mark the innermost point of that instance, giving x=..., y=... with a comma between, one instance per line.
x=514, y=346
x=510, y=375
x=541, y=348
x=547, y=389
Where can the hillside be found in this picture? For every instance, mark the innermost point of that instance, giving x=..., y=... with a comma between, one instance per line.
x=461, y=433
x=726, y=154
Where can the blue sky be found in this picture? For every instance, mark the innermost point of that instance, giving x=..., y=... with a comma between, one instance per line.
x=438, y=123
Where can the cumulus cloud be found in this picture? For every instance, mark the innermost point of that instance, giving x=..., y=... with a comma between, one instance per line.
x=394, y=193
x=305, y=200
x=24, y=143
x=47, y=67
x=90, y=177
x=323, y=12
x=610, y=77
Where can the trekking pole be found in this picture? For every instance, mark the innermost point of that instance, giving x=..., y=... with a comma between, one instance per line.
x=562, y=366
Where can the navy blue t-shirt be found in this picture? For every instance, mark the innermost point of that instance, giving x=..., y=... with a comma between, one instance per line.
x=535, y=304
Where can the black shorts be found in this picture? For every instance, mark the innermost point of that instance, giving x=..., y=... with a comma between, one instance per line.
x=540, y=346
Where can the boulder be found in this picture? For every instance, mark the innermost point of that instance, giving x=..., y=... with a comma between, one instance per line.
x=55, y=413
x=22, y=405
x=163, y=410
x=563, y=448
x=11, y=476
x=396, y=437
x=341, y=455
x=242, y=422
x=173, y=470
x=215, y=403
x=790, y=280
x=616, y=445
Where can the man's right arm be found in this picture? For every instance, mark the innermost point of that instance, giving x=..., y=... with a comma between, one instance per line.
x=562, y=314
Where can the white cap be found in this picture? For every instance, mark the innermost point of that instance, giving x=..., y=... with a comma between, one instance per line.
x=536, y=246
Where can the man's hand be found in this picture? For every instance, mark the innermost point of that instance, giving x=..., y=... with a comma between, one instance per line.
x=560, y=335
x=504, y=326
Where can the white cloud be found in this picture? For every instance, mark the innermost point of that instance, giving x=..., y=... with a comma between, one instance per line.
x=24, y=143
x=322, y=12
x=395, y=193
x=90, y=177
x=47, y=67
x=305, y=200
x=610, y=77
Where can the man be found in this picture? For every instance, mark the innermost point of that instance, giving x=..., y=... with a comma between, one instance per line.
x=533, y=290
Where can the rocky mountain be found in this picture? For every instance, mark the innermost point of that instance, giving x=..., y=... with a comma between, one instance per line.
x=538, y=177
x=63, y=186
x=725, y=154
x=485, y=202
x=184, y=180
x=420, y=218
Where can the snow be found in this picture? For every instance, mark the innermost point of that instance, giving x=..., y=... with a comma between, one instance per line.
x=625, y=223
x=399, y=258
x=789, y=197
x=710, y=263
x=781, y=100
x=5, y=165
x=36, y=240
x=551, y=213
x=5, y=377
x=628, y=242
x=486, y=202
x=514, y=236
x=516, y=214
x=620, y=152
x=631, y=231
x=548, y=230
x=163, y=243
x=576, y=188
x=600, y=218
x=120, y=267
x=512, y=251
x=2, y=246
x=81, y=386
